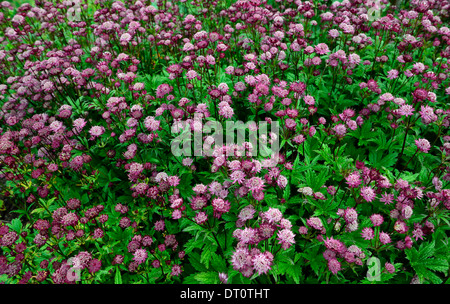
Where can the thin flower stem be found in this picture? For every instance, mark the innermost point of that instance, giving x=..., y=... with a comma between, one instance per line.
x=404, y=140
x=400, y=172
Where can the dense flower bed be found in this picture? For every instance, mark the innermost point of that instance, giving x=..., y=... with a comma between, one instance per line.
x=97, y=96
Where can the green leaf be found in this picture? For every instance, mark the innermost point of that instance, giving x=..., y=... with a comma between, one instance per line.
x=287, y=192
x=16, y=225
x=194, y=260
x=218, y=263
x=118, y=276
x=424, y=261
x=210, y=277
x=206, y=255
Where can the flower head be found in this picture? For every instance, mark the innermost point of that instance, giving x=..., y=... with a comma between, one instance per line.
x=368, y=193
x=262, y=262
x=286, y=238
x=423, y=145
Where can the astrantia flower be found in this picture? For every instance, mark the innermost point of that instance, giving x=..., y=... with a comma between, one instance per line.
x=427, y=114
x=70, y=219
x=400, y=227
x=262, y=262
x=97, y=131
x=423, y=145
x=94, y=265
x=406, y=110
x=322, y=48
x=377, y=219
x=315, y=223
x=223, y=277
x=340, y=130
x=384, y=238
x=98, y=233
x=238, y=176
x=389, y=267
x=350, y=215
x=220, y=205
x=282, y=181
x=176, y=270
x=418, y=233
x=392, y=74
x=160, y=225
x=200, y=189
x=334, y=266
x=248, y=236
x=255, y=184
x=79, y=123
x=151, y=123
x=334, y=245
x=329, y=254
x=241, y=258
x=247, y=213
x=309, y=100
x=368, y=193
x=9, y=238
x=140, y=255
x=272, y=215
x=353, y=179
x=201, y=218
x=286, y=238
x=367, y=233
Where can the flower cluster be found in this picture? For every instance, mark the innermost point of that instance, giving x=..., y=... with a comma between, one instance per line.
x=97, y=96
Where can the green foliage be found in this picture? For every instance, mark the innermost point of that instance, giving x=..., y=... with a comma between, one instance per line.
x=429, y=260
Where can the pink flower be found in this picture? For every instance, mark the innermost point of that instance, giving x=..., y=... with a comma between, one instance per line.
x=334, y=245
x=367, y=193
x=387, y=198
x=262, y=262
x=201, y=218
x=140, y=255
x=309, y=100
x=389, y=267
x=160, y=225
x=340, y=130
x=350, y=215
x=255, y=184
x=282, y=181
x=423, y=145
x=96, y=131
x=353, y=180
x=367, y=233
x=286, y=238
x=427, y=114
x=377, y=219
x=220, y=205
x=392, y=74
x=334, y=265
x=176, y=270
x=238, y=176
x=384, y=238
x=272, y=215
x=418, y=233
x=315, y=223
x=248, y=236
x=241, y=258
x=400, y=227
x=406, y=110
x=247, y=213
x=322, y=48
